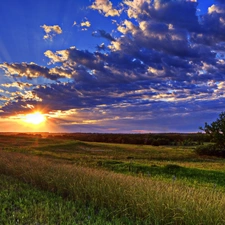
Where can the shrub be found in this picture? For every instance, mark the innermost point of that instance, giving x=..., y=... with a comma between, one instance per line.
x=187, y=142
x=155, y=143
x=211, y=150
x=172, y=167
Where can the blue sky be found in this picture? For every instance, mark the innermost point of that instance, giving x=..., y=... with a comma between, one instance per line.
x=112, y=66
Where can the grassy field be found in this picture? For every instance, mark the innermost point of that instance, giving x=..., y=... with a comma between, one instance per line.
x=23, y=204
x=75, y=182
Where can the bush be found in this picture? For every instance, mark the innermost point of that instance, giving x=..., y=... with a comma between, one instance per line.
x=172, y=167
x=155, y=143
x=163, y=141
x=211, y=150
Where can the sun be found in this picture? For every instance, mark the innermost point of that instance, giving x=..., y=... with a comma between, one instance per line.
x=35, y=118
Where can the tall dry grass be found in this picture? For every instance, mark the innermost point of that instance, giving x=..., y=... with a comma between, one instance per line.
x=156, y=202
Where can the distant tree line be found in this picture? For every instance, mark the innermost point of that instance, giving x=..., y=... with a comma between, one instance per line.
x=138, y=139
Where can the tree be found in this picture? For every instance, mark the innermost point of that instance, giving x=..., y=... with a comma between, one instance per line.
x=216, y=130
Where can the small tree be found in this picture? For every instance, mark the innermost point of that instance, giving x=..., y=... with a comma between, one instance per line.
x=216, y=130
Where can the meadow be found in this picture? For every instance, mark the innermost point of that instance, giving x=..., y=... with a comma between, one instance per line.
x=63, y=181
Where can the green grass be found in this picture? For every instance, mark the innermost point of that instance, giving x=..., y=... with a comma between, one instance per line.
x=114, y=183
x=21, y=203
x=168, y=171
x=136, y=198
x=132, y=159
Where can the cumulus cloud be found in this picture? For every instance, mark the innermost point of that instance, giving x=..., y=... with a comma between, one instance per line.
x=86, y=24
x=51, y=31
x=105, y=7
x=213, y=25
x=58, y=57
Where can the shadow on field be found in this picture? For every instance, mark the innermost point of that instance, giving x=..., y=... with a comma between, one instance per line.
x=172, y=171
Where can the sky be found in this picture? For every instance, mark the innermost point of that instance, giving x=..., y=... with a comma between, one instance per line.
x=130, y=66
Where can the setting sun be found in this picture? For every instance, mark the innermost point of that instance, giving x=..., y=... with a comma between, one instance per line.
x=35, y=118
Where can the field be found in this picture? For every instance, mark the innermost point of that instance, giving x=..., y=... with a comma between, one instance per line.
x=63, y=181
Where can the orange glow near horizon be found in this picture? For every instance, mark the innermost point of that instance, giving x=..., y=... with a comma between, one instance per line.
x=33, y=121
x=35, y=118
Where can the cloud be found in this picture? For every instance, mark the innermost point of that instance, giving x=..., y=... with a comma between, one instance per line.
x=19, y=85
x=105, y=7
x=103, y=34
x=30, y=70
x=101, y=47
x=220, y=1
x=59, y=56
x=161, y=68
x=86, y=24
x=61, y=71
x=51, y=31
x=168, y=12
x=213, y=25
